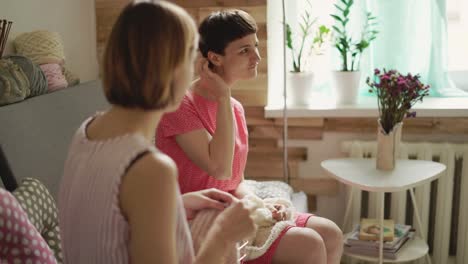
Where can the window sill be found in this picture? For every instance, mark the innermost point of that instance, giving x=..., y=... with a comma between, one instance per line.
x=367, y=107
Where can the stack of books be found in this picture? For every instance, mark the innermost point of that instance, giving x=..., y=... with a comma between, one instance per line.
x=364, y=240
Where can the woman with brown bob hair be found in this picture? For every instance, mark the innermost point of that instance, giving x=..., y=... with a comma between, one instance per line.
x=119, y=199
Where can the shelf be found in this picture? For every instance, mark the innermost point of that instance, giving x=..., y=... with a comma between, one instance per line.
x=362, y=173
x=367, y=107
x=413, y=249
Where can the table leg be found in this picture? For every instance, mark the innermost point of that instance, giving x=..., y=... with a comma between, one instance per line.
x=418, y=221
x=348, y=208
x=382, y=209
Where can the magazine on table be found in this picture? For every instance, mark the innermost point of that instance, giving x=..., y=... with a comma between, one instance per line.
x=394, y=249
x=401, y=231
x=370, y=229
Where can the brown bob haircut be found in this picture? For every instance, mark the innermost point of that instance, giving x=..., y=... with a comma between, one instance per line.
x=222, y=27
x=148, y=42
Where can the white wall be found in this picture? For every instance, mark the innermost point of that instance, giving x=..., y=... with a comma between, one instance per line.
x=73, y=19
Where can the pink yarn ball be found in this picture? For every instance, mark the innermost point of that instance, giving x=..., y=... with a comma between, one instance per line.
x=55, y=78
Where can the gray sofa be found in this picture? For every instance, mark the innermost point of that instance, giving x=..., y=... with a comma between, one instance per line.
x=35, y=133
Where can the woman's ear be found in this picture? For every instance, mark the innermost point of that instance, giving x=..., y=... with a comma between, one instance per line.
x=214, y=58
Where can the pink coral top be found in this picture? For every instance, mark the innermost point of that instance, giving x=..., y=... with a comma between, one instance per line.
x=197, y=112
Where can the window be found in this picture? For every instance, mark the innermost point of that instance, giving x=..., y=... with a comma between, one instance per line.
x=452, y=53
x=457, y=31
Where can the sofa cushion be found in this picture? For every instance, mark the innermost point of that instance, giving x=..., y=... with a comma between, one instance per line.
x=41, y=209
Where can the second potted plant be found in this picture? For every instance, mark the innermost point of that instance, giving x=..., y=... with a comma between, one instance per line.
x=300, y=80
x=346, y=80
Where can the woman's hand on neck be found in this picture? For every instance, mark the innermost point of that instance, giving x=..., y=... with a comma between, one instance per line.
x=213, y=83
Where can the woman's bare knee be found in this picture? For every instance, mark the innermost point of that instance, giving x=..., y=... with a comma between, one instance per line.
x=328, y=230
x=331, y=235
x=300, y=245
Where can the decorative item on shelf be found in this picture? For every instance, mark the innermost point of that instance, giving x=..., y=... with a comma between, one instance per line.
x=300, y=80
x=346, y=80
x=5, y=27
x=370, y=229
x=396, y=95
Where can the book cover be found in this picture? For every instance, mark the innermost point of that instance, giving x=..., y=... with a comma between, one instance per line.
x=370, y=229
x=369, y=253
x=375, y=247
x=401, y=231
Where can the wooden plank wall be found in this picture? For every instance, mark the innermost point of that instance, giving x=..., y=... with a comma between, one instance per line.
x=250, y=93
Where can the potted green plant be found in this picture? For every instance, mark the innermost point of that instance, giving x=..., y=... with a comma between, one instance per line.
x=300, y=80
x=346, y=79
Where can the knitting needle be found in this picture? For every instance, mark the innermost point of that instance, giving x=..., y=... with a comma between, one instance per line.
x=6, y=31
x=243, y=245
x=2, y=26
x=7, y=34
x=243, y=257
x=2, y=37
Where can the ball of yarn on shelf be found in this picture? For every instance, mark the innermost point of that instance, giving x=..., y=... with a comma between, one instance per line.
x=14, y=85
x=54, y=75
x=37, y=79
x=72, y=79
x=41, y=46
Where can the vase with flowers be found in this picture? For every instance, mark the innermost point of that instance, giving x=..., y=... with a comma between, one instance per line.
x=396, y=95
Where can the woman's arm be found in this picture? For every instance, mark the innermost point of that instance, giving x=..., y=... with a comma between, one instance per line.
x=232, y=225
x=206, y=199
x=148, y=200
x=214, y=154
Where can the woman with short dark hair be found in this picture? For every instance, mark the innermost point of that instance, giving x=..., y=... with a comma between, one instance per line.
x=208, y=139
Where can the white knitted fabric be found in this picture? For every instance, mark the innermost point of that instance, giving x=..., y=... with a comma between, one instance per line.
x=268, y=229
x=41, y=47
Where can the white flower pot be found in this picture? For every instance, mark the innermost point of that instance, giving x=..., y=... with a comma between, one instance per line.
x=299, y=85
x=346, y=86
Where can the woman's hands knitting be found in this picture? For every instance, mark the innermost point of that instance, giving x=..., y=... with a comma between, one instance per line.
x=210, y=198
x=278, y=211
x=235, y=223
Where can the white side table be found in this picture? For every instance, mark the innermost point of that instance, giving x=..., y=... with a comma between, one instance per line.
x=362, y=174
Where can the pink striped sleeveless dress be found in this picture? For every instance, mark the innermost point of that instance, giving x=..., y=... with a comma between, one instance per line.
x=93, y=228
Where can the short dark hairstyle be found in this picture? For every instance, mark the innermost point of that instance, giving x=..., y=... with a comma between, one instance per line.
x=147, y=43
x=222, y=27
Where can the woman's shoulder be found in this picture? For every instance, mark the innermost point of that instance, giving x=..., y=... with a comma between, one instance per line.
x=153, y=177
x=153, y=170
x=156, y=161
x=187, y=104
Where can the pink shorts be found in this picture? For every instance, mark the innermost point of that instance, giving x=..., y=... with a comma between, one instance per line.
x=301, y=221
